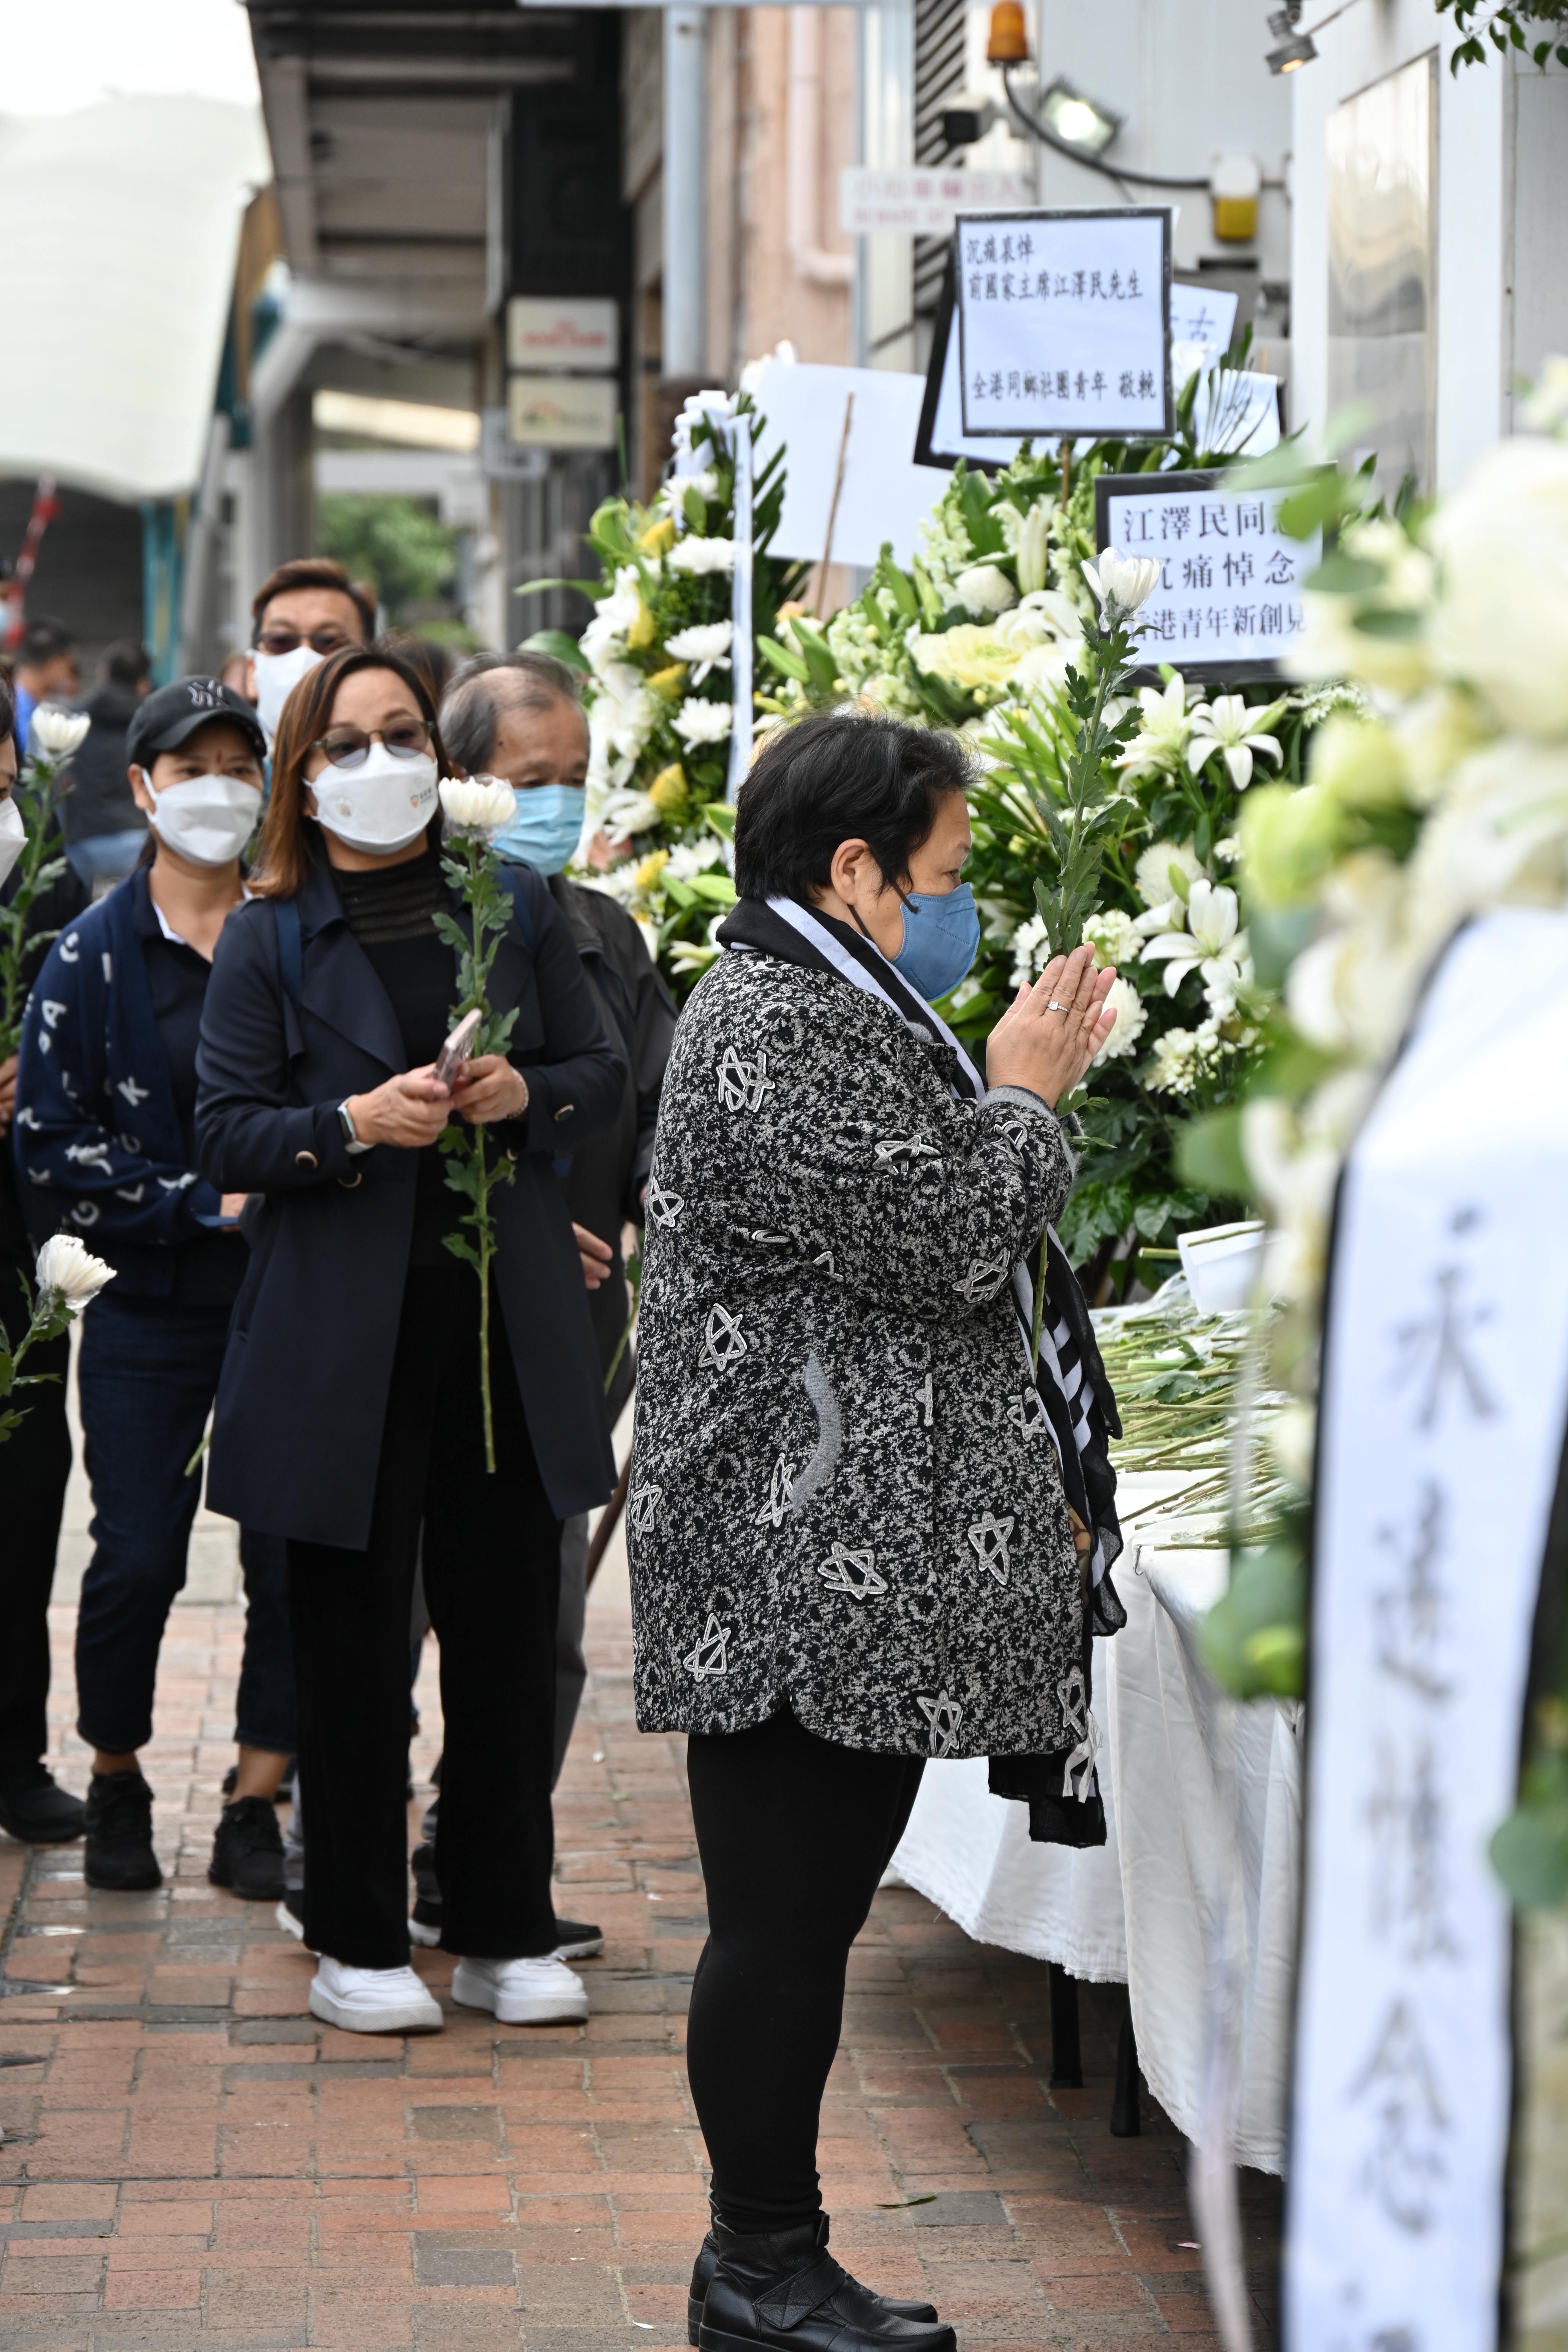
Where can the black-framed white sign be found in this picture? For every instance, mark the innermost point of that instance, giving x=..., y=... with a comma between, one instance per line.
x=1064, y=323
x=1439, y=1449
x=1229, y=597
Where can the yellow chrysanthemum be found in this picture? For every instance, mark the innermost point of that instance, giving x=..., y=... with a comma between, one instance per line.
x=667, y=791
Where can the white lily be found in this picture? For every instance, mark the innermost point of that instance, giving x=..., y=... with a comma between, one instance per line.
x=478, y=803
x=68, y=1274
x=706, y=644
x=698, y=721
x=1163, y=737
x=1120, y=583
x=624, y=814
x=1211, y=944
x=1222, y=725
x=56, y=733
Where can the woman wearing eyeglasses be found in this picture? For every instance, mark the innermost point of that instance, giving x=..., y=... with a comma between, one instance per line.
x=347, y=1412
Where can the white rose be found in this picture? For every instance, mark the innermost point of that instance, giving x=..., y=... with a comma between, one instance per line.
x=702, y=555
x=1501, y=619
x=984, y=590
x=57, y=734
x=478, y=803
x=1131, y=1016
x=69, y=1274
x=696, y=721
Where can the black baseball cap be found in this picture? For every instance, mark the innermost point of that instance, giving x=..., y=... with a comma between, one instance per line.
x=165, y=719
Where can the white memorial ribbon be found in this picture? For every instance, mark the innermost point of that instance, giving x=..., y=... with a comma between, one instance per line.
x=1445, y=1397
x=741, y=650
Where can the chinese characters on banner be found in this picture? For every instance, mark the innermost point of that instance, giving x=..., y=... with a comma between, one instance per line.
x=1229, y=598
x=1445, y=1398
x=1064, y=322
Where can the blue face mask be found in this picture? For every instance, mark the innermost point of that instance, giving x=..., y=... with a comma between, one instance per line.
x=942, y=939
x=546, y=829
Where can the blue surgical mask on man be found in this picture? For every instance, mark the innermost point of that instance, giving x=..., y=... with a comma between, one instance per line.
x=546, y=829
x=942, y=939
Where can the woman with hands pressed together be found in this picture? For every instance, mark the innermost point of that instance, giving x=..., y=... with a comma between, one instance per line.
x=348, y=1412
x=848, y=1518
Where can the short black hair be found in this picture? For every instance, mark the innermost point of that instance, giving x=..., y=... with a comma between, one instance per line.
x=837, y=776
x=486, y=685
x=126, y=662
x=43, y=640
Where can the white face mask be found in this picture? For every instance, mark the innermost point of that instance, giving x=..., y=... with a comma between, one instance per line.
x=207, y=819
x=13, y=837
x=380, y=806
x=277, y=676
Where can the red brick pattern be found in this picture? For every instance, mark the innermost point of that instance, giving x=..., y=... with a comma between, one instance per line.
x=192, y=2163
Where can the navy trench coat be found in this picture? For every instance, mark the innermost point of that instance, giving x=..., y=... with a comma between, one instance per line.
x=302, y=1402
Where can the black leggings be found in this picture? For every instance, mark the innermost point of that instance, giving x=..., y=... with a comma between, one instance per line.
x=794, y=1833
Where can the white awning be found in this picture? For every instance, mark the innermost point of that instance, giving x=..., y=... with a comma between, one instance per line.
x=120, y=226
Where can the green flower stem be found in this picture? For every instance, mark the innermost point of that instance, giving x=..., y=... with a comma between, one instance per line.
x=48, y=1317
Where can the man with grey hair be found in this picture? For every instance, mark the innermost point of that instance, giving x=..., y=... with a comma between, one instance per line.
x=519, y=717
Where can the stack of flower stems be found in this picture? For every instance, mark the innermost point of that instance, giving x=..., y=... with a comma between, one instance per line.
x=1182, y=1382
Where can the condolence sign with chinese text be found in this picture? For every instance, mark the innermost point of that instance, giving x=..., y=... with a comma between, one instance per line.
x=1229, y=598
x=1064, y=322
x=1440, y=1432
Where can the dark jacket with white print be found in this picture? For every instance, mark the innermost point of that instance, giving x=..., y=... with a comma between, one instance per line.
x=843, y=1494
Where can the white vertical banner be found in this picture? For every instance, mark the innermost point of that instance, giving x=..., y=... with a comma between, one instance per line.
x=741, y=649
x=1445, y=1398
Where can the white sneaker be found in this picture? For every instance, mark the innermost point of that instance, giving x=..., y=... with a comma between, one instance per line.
x=292, y=1922
x=542, y=1991
x=426, y=1937
x=372, y=2000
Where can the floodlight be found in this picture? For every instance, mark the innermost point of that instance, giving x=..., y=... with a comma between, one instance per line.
x=1077, y=120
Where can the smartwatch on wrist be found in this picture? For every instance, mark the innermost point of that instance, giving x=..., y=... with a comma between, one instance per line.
x=345, y=1120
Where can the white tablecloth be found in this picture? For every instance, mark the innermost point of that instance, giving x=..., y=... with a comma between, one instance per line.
x=1192, y=1899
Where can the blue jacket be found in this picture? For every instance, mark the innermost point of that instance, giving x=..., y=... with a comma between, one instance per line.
x=302, y=1402
x=97, y=1130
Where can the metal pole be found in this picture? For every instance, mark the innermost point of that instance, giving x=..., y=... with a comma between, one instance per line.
x=685, y=299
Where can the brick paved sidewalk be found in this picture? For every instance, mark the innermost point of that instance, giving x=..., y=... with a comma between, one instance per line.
x=192, y=2163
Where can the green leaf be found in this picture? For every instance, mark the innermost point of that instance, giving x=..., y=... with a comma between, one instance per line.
x=1253, y=1641
x=1209, y=1155
x=1388, y=620
x=693, y=505
x=785, y=659
x=564, y=647
x=717, y=889
x=1344, y=575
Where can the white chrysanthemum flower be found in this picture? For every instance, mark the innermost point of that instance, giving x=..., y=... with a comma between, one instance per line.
x=1120, y=583
x=1031, y=951
x=57, y=734
x=604, y=638
x=478, y=803
x=68, y=1274
x=1152, y=873
x=706, y=645
x=1228, y=851
x=1131, y=1019
x=625, y=814
x=1113, y=936
x=983, y=589
x=1223, y=726
x=702, y=555
x=1173, y=1067
x=696, y=721
x=1161, y=737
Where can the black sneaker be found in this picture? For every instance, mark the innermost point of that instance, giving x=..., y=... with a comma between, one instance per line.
x=118, y=1827
x=247, y=1852
x=34, y=1808
x=577, y=1939
x=707, y=2262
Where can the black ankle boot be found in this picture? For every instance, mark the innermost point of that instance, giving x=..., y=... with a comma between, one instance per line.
x=707, y=2259
x=119, y=1834
x=785, y=2291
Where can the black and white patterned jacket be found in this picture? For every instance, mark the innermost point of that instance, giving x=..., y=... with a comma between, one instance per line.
x=843, y=1495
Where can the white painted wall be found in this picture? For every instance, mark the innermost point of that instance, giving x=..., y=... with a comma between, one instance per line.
x=1502, y=200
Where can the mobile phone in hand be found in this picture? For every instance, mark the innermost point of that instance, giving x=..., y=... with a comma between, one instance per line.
x=458, y=1048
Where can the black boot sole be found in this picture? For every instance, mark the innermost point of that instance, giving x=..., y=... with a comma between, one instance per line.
x=141, y=1885
x=37, y=1834
x=248, y=1894
x=693, y=2320
x=717, y=2339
